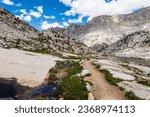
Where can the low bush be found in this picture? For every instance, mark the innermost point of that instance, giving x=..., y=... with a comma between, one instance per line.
x=74, y=69
x=110, y=78
x=73, y=88
x=131, y=96
x=52, y=77
x=146, y=83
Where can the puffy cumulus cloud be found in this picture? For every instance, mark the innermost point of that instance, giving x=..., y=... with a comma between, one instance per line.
x=23, y=11
x=49, y=17
x=79, y=20
x=45, y=25
x=70, y=12
x=93, y=8
x=27, y=18
x=66, y=2
x=65, y=24
x=40, y=9
x=35, y=14
x=19, y=4
x=25, y=15
x=8, y=2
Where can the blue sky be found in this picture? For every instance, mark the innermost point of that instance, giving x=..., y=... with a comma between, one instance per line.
x=43, y=14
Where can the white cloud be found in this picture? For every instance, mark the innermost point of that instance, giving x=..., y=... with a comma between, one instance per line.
x=40, y=9
x=49, y=17
x=70, y=12
x=79, y=20
x=19, y=4
x=8, y=2
x=23, y=11
x=45, y=25
x=27, y=18
x=35, y=14
x=66, y=2
x=65, y=24
x=93, y=8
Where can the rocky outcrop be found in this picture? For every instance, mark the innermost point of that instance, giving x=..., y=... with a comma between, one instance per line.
x=110, y=29
x=14, y=28
x=131, y=41
x=72, y=30
x=122, y=35
x=16, y=33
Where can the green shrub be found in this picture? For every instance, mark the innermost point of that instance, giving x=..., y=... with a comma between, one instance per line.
x=110, y=78
x=72, y=88
x=42, y=51
x=73, y=57
x=53, y=70
x=98, y=66
x=74, y=69
x=52, y=77
x=146, y=83
x=131, y=96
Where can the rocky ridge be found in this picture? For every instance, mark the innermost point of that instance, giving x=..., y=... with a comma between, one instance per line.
x=116, y=35
x=16, y=33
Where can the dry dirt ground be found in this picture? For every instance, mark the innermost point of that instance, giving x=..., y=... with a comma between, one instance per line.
x=102, y=90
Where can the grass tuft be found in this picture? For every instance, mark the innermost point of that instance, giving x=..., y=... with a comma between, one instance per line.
x=110, y=78
x=131, y=96
x=73, y=88
x=146, y=83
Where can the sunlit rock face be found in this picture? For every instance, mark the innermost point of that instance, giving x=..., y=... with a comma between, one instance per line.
x=14, y=28
x=30, y=69
x=116, y=34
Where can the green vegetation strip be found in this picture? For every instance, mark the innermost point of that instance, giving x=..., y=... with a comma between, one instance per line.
x=131, y=96
x=110, y=78
x=44, y=51
x=73, y=87
x=136, y=70
x=146, y=83
x=74, y=69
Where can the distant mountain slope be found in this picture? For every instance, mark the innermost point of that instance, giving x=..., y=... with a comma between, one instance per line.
x=14, y=28
x=15, y=33
x=135, y=45
x=110, y=29
x=121, y=35
x=72, y=30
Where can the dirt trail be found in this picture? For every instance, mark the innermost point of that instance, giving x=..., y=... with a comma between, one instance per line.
x=102, y=90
